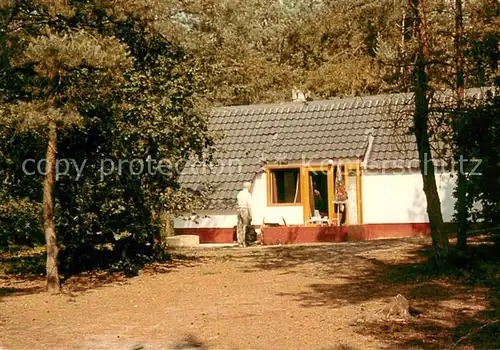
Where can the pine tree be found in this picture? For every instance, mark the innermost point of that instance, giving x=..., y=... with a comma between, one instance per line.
x=421, y=131
x=54, y=56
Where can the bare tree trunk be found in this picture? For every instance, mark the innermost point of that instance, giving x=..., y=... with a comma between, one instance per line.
x=166, y=229
x=462, y=209
x=167, y=220
x=421, y=124
x=53, y=285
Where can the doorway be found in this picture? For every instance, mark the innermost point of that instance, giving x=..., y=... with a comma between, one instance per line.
x=333, y=192
x=318, y=189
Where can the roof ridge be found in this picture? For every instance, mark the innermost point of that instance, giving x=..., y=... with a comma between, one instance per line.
x=310, y=105
x=346, y=102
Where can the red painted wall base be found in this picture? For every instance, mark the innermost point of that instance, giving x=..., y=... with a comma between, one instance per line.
x=302, y=234
x=208, y=235
x=287, y=235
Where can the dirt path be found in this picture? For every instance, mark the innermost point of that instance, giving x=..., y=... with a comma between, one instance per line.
x=296, y=297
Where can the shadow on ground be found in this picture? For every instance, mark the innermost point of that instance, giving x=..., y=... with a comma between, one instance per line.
x=190, y=342
x=456, y=306
x=289, y=257
x=23, y=272
x=6, y=291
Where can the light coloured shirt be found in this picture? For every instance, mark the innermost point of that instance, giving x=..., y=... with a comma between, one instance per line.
x=244, y=199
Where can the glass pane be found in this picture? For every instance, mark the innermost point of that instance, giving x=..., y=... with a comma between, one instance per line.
x=352, y=195
x=285, y=186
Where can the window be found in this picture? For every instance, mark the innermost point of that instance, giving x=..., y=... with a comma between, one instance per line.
x=284, y=185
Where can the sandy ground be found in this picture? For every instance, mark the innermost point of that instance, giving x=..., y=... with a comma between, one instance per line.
x=293, y=297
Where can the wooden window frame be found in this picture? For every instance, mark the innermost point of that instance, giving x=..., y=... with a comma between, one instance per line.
x=331, y=188
x=304, y=171
x=304, y=187
x=269, y=186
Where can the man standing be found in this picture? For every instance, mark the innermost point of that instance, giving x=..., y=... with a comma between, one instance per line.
x=244, y=199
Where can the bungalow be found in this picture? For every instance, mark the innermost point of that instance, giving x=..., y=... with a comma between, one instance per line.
x=335, y=170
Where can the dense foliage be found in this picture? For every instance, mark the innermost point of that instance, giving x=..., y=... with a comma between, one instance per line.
x=255, y=51
x=484, y=173
x=127, y=84
x=124, y=98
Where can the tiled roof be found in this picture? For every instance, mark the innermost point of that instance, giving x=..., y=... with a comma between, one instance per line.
x=336, y=129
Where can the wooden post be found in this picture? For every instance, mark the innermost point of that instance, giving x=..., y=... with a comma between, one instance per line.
x=358, y=192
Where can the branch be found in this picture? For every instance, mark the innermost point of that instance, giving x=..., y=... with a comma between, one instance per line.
x=474, y=332
x=347, y=50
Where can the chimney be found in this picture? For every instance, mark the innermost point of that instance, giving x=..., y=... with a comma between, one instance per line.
x=298, y=96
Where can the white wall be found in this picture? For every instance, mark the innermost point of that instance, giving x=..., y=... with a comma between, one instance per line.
x=399, y=198
x=208, y=219
x=293, y=215
x=387, y=198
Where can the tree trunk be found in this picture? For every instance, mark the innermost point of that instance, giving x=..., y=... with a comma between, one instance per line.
x=166, y=228
x=167, y=220
x=462, y=210
x=53, y=285
x=420, y=128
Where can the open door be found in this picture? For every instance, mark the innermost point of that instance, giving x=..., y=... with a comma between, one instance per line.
x=333, y=192
x=318, y=193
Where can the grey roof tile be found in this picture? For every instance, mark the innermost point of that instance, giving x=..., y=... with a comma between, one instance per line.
x=326, y=129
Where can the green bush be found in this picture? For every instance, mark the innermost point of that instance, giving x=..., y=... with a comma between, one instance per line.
x=20, y=223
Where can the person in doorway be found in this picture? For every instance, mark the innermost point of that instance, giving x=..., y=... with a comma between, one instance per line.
x=318, y=200
x=244, y=199
x=319, y=204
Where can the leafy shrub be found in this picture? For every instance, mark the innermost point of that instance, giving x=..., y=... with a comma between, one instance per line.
x=20, y=223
